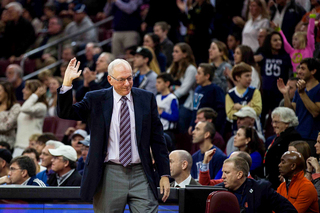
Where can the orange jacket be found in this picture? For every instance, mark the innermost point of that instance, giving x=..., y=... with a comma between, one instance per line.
x=302, y=194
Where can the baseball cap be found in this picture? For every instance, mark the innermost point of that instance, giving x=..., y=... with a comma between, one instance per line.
x=80, y=132
x=5, y=155
x=246, y=112
x=80, y=8
x=144, y=52
x=65, y=151
x=86, y=141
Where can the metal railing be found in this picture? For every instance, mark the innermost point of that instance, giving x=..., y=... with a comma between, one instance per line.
x=59, y=42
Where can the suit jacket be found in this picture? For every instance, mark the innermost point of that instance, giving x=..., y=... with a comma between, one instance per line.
x=73, y=180
x=192, y=182
x=96, y=108
x=261, y=198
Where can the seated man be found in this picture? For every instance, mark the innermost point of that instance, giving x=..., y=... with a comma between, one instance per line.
x=180, y=167
x=297, y=188
x=204, y=176
x=34, y=155
x=22, y=172
x=5, y=158
x=42, y=139
x=253, y=195
x=64, y=165
x=203, y=134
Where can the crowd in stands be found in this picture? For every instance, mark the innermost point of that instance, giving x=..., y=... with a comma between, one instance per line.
x=236, y=84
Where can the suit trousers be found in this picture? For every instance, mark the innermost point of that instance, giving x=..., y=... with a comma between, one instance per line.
x=121, y=186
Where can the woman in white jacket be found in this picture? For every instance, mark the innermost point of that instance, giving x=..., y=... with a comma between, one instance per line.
x=32, y=114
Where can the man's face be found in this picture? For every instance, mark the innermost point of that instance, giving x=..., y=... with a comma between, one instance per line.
x=158, y=31
x=102, y=63
x=54, y=27
x=89, y=52
x=67, y=54
x=244, y=79
x=84, y=152
x=246, y=121
x=261, y=36
x=46, y=156
x=33, y=157
x=74, y=143
x=198, y=133
x=16, y=175
x=139, y=61
x=201, y=78
x=285, y=166
x=304, y=73
x=200, y=117
x=57, y=163
x=175, y=165
x=124, y=81
x=11, y=74
x=230, y=176
x=77, y=17
x=12, y=14
x=292, y=88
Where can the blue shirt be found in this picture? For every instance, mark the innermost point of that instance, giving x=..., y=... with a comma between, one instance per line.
x=308, y=125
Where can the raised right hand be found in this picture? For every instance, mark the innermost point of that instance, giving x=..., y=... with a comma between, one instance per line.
x=208, y=156
x=71, y=72
x=281, y=87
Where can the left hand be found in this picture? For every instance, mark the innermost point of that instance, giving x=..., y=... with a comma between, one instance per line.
x=160, y=110
x=164, y=188
x=301, y=85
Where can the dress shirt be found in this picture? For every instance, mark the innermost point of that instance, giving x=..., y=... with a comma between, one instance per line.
x=25, y=182
x=99, y=77
x=114, y=134
x=183, y=183
x=64, y=177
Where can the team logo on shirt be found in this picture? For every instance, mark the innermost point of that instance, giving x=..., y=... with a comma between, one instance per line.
x=197, y=99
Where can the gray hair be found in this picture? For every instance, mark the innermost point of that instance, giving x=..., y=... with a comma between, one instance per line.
x=110, y=57
x=185, y=156
x=118, y=62
x=286, y=115
x=54, y=143
x=17, y=69
x=17, y=7
x=239, y=164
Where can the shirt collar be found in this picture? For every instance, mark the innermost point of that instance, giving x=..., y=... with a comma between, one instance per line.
x=63, y=177
x=26, y=182
x=117, y=97
x=183, y=183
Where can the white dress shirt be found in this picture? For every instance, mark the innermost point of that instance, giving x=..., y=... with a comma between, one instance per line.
x=114, y=134
x=183, y=183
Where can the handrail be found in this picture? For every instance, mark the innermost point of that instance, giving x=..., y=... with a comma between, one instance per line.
x=58, y=41
x=57, y=63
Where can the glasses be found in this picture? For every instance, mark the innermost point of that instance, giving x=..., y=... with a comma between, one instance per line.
x=122, y=80
x=277, y=122
x=12, y=169
x=57, y=158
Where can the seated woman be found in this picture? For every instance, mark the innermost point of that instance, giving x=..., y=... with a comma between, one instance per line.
x=313, y=168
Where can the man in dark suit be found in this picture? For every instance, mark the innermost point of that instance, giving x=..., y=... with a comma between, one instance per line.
x=252, y=195
x=119, y=170
x=180, y=167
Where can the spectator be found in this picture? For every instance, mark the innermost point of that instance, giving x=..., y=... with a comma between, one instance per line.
x=275, y=63
x=263, y=32
x=300, y=192
x=302, y=147
x=64, y=165
x=180, y=167
x=259, y=18
x=22, y=172
x=18, y=35
x=259, y=196
x=46, y=158
x=197, y=18
x=284, y=122
x=306, y=100
x=161, y=29
x=34, y=155
x=84, y=152
x=91, y=57
x=55, y=83
x=5, y=158
x=95, y=80
x=144, y=78
x=9, y=111
x=49, y=11
x=32, y=114
x=14, y=75
x=154, y=65
x=313, y=168
x=208, y=94
x=4, y=145
x=287, y=14
x=248, y=140
x=203, y=134
x=129, y=55
x=44, y=76
x=50, y=54
x=244, y=54
x=292, y=85
x=233, y=41
x=246, y=117
x=303, y=43
x=126, y=24
x=152, y=40
x=168, y=106
x=42, y=140
x=218, y=57
x=69, y=132
x=204, y=176
x=80, y=22
x=33, y=140
x=242, y=94
x=183, y=71
x=77, y=136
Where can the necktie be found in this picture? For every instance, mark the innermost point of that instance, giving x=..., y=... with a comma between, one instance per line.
x=125, y=133
x=177, y=186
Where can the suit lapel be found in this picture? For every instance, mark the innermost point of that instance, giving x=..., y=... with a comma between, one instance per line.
x=107, y=107
x=138, y=109
x=250, y=196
